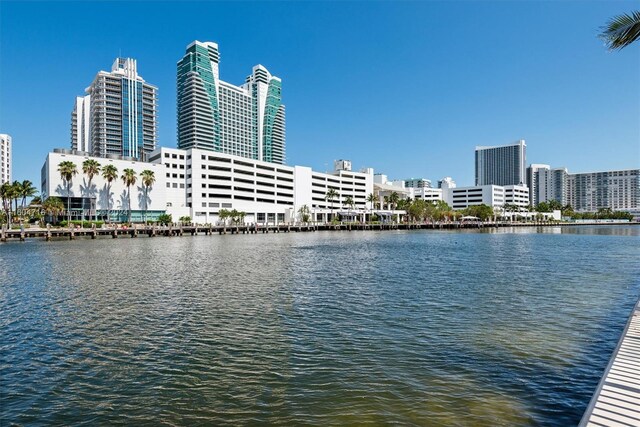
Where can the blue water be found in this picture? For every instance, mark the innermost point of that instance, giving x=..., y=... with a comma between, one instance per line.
x=328, y=328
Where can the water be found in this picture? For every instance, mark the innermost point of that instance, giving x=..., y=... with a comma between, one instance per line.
x=327, y=328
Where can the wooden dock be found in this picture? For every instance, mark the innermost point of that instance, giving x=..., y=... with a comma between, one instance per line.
x=616, y=401
x=136, y=230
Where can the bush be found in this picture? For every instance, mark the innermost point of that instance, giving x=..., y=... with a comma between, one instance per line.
x=165, y=219
x=83, y=224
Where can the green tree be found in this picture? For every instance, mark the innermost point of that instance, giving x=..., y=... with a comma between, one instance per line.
x=129, y=178
x=373, y=199
x=165, y=219
x=6, y=193
x=53, y=206
x=417, y=209
x=331, y=195
x=349, y=202
x=304, y=212
x=185, y=220
x=91, y=168
x=621, y=30
x=27, y=189
x=148, y=179
x=110, y=174
x=67, y=171
x=393, y=200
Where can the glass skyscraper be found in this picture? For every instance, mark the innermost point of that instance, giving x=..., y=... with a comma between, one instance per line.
x=501, y=165
x=118, y=114
x=246, y=120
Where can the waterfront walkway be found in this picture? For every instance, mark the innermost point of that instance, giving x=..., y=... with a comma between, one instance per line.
x=616, y=401
x=136, y=230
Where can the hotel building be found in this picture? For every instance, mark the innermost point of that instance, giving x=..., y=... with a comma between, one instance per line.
x=117, y=116
x=617, y=190
x=246, y=121
x=495, y=196
x=546, y=184
x=501, y=165
x=198, y=183
x=5, y=158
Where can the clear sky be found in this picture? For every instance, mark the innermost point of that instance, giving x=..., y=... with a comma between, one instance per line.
x=408, y=88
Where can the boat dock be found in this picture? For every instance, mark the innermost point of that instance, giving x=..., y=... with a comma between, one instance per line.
x=616, y=401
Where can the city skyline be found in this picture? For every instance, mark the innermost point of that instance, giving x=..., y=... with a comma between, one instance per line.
x=578, y=123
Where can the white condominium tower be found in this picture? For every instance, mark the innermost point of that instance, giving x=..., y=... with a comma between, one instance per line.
x=5, y=158
x=246, y=120
x=501, y=165
x=118, y=114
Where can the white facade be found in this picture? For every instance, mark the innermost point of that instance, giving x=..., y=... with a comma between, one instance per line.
x=446, y=182
x=533, y=173
x=101, y=197
x=80, y=124
x=5, y=158
x=426, y=193
x=517, y=195
x=200, y=183
x=463, y=197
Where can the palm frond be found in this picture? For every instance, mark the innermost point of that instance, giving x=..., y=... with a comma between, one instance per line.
x=621, y=30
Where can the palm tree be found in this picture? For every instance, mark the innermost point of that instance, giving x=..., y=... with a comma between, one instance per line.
x=53, y=206
x=393, y=199
x=304, y=213
x=15, y=193
x=621, y=30
x=67, y=171
x=373, y=199
x=5, y=195
x=110, y=174
x=330, y=197
x=90, y=168
x=148, y=179
x=129, y=178
x=349, y=202
x=27, y=190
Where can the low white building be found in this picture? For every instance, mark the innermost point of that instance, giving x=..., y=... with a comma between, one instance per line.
x=495, y=196
x=100, y=198
x=463, y=197
x=199, y=183
x=428, y=194
x=517, y=195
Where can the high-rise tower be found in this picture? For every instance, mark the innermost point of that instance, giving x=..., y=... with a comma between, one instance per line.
x=118, y=114
x=5, y=158
x=247, y=120
x=501, y=165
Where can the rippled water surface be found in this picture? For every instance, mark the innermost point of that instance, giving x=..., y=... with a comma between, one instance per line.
x=326, y=328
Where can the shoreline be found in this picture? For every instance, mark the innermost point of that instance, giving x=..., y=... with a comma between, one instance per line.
x=50, y=233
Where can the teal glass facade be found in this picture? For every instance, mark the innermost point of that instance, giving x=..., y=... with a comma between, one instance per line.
x=247, y=120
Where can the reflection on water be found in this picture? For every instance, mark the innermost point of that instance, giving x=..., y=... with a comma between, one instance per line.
x=474, y=328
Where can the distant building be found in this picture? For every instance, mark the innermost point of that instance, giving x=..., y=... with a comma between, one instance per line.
x=246, y=121
x=546, y=184
x=501, y=165
x=118, y=114
x=617, y=190
x=5, y=158
x=428, y=194
x=495, y=196
x=446, y=182
x=417, y=183
x=532, y=181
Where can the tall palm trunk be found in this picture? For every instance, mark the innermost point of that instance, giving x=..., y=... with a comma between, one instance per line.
x=129, y=202
x=109, y=203
x=68, y=204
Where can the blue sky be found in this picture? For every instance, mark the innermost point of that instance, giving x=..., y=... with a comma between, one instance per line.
x=409, y=88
